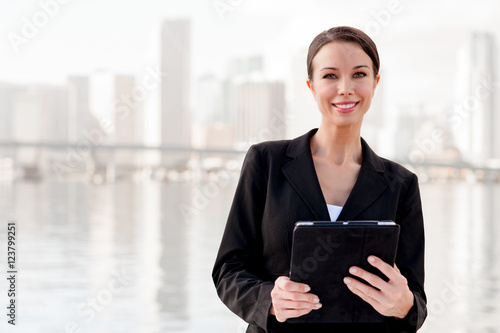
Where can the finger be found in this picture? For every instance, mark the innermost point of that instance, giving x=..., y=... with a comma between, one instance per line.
x=278, y=293
x=382, y=266
x=297, y=305
x=286, y=309
x=375, y=303
x=286, y=313
x=372, y=279
x=362, y=288
x=286, y=284
x=301, y=297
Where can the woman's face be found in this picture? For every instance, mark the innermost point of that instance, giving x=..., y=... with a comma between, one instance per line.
x=343, y=83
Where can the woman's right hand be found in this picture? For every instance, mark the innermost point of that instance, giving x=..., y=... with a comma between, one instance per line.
x=292, y=299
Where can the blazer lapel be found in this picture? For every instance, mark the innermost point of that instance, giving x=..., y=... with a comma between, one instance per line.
x=301, y=174
x=368, y=187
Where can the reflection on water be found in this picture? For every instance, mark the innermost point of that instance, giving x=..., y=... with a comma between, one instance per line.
x=463, y=269
x=126, y=258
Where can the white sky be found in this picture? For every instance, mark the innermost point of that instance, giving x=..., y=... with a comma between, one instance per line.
x=418, y=44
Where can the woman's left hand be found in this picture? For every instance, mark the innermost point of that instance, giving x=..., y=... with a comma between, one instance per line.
x=394, y=299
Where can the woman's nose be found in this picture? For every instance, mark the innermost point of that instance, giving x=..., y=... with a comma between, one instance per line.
x=345, y=87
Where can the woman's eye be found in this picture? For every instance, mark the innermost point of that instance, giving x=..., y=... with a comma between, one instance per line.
x=359, y=74
x=329, y=76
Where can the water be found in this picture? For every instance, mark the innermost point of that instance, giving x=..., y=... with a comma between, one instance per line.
x=135, y=257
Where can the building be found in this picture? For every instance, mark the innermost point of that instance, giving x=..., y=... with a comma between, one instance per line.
x=7, y=93
x=210, y=101
x=117, y=119
x=175, y=87
x=376, y=123
x=303, y=111
x=245, y=66
x=474, y=122
x=212, y=121
x=39, y=116
x=260, y=110
x=79, y=117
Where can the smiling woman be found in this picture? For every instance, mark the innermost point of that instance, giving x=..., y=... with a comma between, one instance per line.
x=283, y=182
x=343, y=83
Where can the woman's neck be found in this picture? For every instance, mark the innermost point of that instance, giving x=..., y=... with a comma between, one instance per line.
x=340, y=145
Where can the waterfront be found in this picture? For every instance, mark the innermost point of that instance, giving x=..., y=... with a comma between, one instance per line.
x=130, y=257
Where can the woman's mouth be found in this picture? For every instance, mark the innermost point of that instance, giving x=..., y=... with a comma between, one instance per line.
x=345, y=107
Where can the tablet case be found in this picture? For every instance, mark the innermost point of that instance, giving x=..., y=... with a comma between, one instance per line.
x=323, y=252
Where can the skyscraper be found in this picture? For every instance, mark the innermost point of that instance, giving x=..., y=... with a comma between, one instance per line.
x=117, y=115
x=260, y=110
x=7, y=93
x=475, y=124
x=375, y=120
x=39, y=115
x=175, y=67
x=209, y=101
x=303, y=109
x=79, y=118
x=212, y=125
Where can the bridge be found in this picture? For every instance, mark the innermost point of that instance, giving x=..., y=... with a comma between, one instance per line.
x=426, y=169
x=72, y=157
x=109, y=147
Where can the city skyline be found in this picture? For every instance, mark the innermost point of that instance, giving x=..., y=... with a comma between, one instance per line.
x=63, y=46
x=172, y=103
x=217, y=35
x=238, y=71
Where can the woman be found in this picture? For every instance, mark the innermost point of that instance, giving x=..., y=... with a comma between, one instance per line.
x=329, y=173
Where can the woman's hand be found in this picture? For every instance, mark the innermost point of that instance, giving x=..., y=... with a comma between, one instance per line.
x=292, y=299
x=394, y=298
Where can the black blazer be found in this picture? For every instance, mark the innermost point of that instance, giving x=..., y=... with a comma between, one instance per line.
x=278, y=186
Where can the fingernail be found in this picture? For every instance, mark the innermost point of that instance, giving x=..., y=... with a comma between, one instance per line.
x=371, y=259
x=347, y=280
x=353, y=270
x=318, y=305
x=316, y=300
x=307, y=289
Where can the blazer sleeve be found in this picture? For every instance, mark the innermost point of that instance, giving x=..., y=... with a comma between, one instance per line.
x=410, y=258
x=237, y=274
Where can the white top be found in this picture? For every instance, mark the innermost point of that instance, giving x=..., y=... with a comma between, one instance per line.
x=334, y=211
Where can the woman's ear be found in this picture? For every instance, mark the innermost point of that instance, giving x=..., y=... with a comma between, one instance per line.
x=375, y=84
x=311, y=87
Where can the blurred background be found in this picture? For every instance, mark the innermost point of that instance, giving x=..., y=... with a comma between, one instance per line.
x=123, y=126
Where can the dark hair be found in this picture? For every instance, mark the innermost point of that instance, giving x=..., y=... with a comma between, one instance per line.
x=345, y=34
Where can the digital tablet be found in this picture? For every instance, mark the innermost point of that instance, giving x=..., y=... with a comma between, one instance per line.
x=323, y=252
